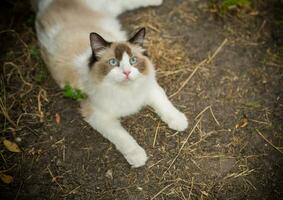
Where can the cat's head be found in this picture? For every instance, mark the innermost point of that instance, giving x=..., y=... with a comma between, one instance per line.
x=119, y=62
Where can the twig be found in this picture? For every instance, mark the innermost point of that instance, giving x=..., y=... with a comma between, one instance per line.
x=161, y=191
x=191, y=189
x=42, y=94
x=184, y=143
x=217, y=51
x=201, y=139
x=202, y=112
x=189, y=78
x=18, y=192
x=18, y=36
x=5, y=162
x=259, y=122
x=6, y=170
x=155, y=135
x=210, y=108
x=21, y=77
x=5, y=113
x=217, y=122
x=155, y=163
x=54, y=179
x=205, y=61
x=275, y=147
x=153, y=28
x=174, y=134
x=72, y=191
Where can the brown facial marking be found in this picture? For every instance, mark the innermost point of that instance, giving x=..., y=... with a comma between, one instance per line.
x=120, y=49
x=101, y=70
x=104, y=69
x=141, y=66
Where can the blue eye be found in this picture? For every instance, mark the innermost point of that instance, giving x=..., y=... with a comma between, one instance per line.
x=133, y=60
x=113, y=62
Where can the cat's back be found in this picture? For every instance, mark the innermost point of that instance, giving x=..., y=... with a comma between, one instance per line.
x=63, y=28
x=67, y=12
x=63, y=21
x=70, y=21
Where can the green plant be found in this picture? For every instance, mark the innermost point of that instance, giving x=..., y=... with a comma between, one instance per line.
x=41, y=73
x=34, y=52
x=225, y=5
x=74, y=93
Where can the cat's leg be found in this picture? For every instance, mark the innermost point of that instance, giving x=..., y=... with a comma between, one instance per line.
x=164, y=108
x=112, y=130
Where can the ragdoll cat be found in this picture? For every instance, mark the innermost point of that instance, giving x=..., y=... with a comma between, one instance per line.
x=83, y=45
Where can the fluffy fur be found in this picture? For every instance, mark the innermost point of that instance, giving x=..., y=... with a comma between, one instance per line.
x=79, y=40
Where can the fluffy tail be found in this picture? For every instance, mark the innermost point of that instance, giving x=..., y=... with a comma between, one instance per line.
x=113, y=7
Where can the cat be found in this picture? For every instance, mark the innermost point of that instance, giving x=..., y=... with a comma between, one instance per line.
x=82, y=44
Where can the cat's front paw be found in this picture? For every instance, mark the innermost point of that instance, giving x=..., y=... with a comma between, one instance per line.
x=178, y=121
x=136, y=157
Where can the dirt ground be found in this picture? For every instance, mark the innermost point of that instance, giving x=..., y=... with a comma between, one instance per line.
x=224, y=72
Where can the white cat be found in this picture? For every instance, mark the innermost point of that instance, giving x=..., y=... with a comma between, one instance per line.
x=83, y=45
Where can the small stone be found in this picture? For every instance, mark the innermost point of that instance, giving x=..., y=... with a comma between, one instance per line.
x=139, y=188
x=109, y=174
x=18, y=139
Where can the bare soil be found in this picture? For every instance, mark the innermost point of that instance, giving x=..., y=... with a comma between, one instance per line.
x=224, y=72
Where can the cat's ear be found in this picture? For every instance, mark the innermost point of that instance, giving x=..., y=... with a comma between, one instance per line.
x=138, y=37
x=97, y=43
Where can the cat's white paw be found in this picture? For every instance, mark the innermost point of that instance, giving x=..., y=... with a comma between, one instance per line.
x=137, y=157
x=178, y=121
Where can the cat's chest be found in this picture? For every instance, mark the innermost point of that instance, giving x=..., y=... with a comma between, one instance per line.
x=121, y=101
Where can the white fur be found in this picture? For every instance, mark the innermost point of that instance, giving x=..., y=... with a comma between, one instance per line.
x=115, y=97
x=43, y=4
x=125, y=62
x=112, y=101
x=46, y=38
x=113, y=26
x=117, y=7
x=117, y=75
x=79, y=61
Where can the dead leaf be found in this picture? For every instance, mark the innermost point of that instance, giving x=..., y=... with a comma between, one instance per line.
x=6, y=178
x=242, y=123
x=57, y=118
x=11, y=146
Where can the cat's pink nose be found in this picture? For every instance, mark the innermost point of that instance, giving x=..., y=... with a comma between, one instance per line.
x=127, y=72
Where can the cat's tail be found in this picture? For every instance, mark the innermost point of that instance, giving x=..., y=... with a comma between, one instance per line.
x=117, y=7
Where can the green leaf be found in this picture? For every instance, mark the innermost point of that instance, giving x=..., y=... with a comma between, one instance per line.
x=74, y=93
x=226, y=4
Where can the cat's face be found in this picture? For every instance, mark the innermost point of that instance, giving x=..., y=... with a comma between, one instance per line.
x=122, y=62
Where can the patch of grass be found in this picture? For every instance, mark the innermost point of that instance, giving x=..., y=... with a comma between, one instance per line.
x=74, y=93
x=34, y=52
x=253, y=104
x=41, y=73
x=226, y=4
x=223, y=6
